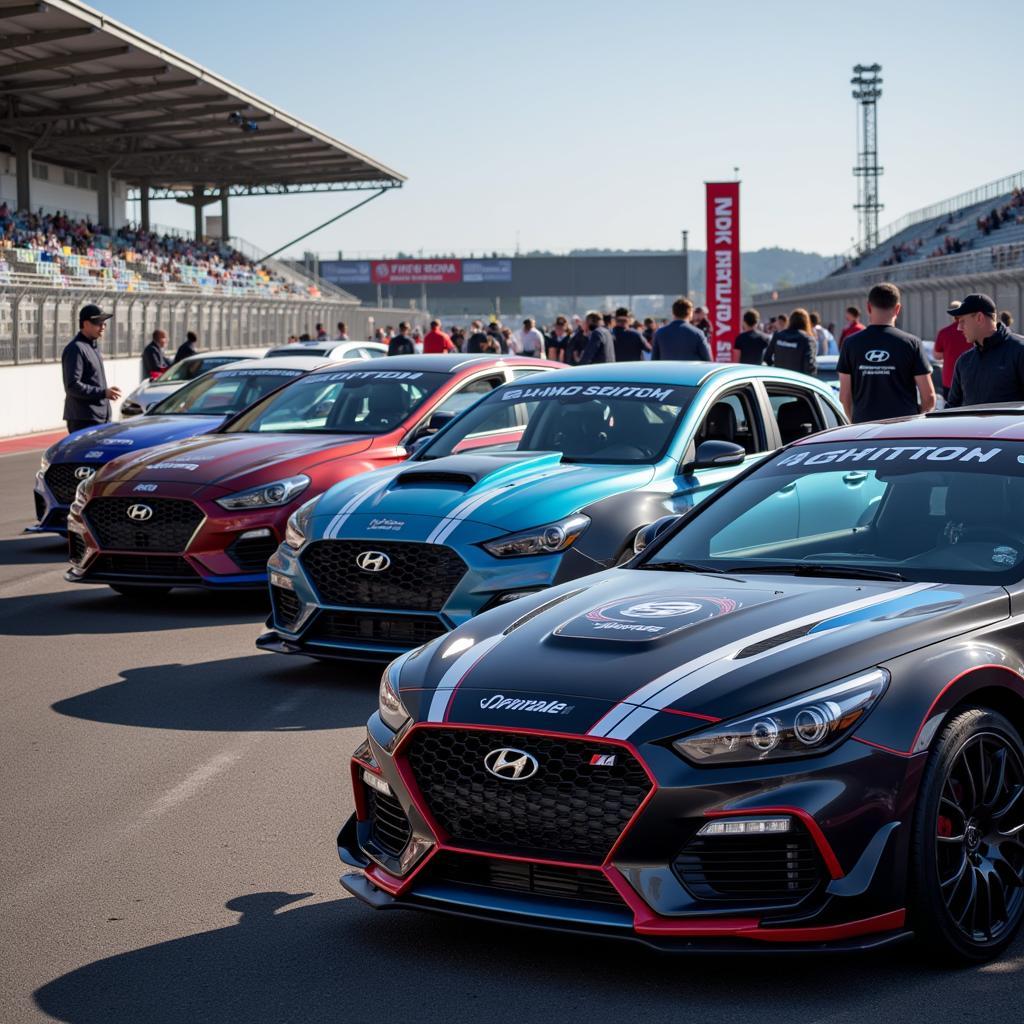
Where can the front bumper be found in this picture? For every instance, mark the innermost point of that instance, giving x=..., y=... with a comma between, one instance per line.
x=845, y=804
x=51, y=513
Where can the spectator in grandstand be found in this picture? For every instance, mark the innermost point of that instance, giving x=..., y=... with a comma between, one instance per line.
x=680, y=339
x=342, y=332
x=401, y=344
x=701, y=321
x=992, y=369
x=600, y=347
x=950, y=345
x=630, y=344
x=750, y=344
x=853, y=324
x=154, y=358
x=530, y=340
x=436, y=342
x=795, y=347
x=1006, y=318
x=884, y=372
x=87, y=397
x=826, y=341
x=558, y=340
x=187, y=347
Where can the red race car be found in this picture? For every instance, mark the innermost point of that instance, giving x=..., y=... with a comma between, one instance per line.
x=209, y=511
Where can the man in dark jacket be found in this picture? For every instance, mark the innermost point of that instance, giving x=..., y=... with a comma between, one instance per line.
x=680, y=339
x=401, y=344
x=992, y=369
x=187, y=347
x=86, y=395
x=154, y=359
x=630, y=344
x=600, y=347
x=795, y=348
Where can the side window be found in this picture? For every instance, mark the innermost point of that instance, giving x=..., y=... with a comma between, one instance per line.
x=732, y=418
x=828, y=414
x=795, y=412
x=518, y=372
x=470, y=394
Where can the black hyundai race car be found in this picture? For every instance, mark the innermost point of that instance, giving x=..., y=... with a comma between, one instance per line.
x=793, y=721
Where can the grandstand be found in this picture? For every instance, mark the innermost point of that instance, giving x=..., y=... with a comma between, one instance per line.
x=94, y=115
x=973, y=241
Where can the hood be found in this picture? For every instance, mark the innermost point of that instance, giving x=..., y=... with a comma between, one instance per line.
x=693, y=644
x=226, y=459
x=507, y=491
x=105, y=443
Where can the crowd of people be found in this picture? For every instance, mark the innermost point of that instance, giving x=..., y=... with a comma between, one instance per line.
x=57, y=239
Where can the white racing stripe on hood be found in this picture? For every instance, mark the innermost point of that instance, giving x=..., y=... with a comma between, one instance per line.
x=331, y=533
x=458, y=671
x=625, y=718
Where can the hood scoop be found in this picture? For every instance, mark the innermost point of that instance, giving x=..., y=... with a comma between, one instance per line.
x=775, y=641
x=434, y=478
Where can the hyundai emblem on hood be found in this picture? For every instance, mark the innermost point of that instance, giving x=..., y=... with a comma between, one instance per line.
x=84, y=472
x=139, y=513
x=372, y=561
x=511, y=764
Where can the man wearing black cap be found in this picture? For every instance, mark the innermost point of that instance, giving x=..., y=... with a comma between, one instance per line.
x=992, y=369
x=86, y=395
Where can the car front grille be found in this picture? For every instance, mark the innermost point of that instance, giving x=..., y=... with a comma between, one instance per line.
x=151, y=566
x=420, y=577
x=169, y=528
x=61, y=480
x=251, y=554
x=583, y=885
x=76, y=547
x=570, y=809
x=777, y=868
x=389, y=826
x=360, y=627
x=287, y=607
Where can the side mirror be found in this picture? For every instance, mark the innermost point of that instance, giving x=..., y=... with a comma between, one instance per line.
x=715, y=455
x=651, y=531
x=437, y=421
x=418, y=444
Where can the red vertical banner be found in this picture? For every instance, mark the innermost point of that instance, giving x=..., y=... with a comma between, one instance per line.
x=723, y=271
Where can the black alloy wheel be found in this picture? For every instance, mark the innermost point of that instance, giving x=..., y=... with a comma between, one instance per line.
x=968, y=852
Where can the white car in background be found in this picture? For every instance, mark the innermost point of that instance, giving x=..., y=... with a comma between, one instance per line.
x=330, y=350
x=149, y=392
x=828, y=374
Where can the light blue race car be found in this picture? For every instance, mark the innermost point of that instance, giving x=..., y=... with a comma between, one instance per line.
x=544, y=480
x=200, y=406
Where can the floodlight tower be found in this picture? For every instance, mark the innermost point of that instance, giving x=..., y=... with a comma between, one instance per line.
x=867, y=88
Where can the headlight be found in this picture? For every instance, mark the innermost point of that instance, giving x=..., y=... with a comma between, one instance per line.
x=44, y=463
x=280, y=492
x=298, y=523
x=809, y=724
x=541, y=540
x=392, y=711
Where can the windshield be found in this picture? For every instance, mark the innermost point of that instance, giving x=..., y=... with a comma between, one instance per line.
x=947, y=512
x=342, y=402
x=297, y=350
x=600, y=423
x=188, y=369
x=223, y=393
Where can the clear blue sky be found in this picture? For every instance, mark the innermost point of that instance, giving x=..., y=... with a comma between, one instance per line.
x=596, y=123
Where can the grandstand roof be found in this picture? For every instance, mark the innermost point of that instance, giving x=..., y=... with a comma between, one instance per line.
x=83, y=89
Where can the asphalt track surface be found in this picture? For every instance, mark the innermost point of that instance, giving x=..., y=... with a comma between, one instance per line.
x=169, y=799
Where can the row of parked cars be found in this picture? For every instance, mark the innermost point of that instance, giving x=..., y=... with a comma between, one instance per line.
x=672, y=652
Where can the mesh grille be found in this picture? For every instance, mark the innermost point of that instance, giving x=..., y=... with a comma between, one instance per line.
x=406, y=630
x=163, y=566
x=390, y=828
x=168, y=529
x=758, y=868
x=60, y=478
x=286, y=606
x=420, y=577
x=76, y=547
x=252, y=553
x=569, y=807
x=578, y=884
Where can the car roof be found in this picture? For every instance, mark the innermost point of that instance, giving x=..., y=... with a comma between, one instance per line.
x=1002, y=421
x=285, y=363
x=317, y=347
x=676, y=371
x=452, y=362
x=238, y=353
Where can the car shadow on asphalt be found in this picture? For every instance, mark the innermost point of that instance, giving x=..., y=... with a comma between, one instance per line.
x=33, y=548
x=340, y=961
x=255, y=693
x=98, y=610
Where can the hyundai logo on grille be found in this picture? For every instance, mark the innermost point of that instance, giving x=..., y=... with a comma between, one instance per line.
x=84, y=472
x=509, y=763
x=372, y=561
x=876, y=355
x=139, y=513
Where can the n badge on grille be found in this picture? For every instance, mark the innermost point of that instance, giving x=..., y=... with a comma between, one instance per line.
x=602, y=760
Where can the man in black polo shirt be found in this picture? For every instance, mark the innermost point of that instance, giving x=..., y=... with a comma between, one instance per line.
x=992, y=369
x=630, y=344
x=882, y=370
x=751, y=343
x=401, y=344
x=86, y=395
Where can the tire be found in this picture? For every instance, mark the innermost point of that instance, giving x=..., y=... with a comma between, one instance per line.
x=966, y=873
x=139, y=593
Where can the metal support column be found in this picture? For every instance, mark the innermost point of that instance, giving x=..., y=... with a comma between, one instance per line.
x=103, y=195
x=197, y=198
x=144, y=206
x=23, y=169
x=225, y=234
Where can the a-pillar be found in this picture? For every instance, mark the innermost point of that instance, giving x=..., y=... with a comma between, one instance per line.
x=144, y=205
x=198, y=199
x=23, y=169
x=103, y=195
x=225, y=234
